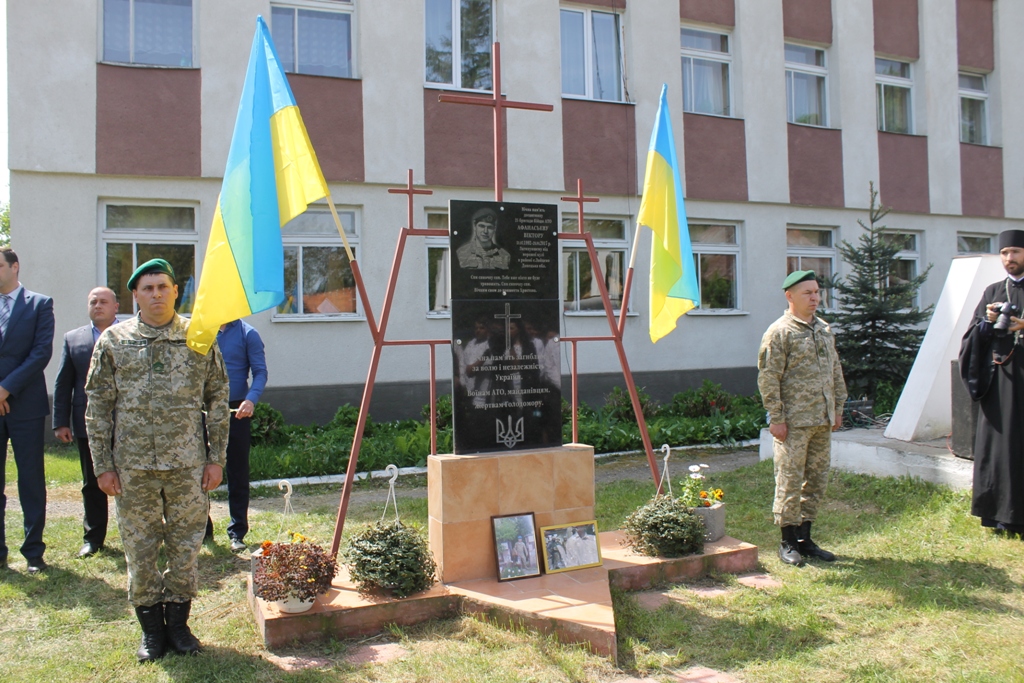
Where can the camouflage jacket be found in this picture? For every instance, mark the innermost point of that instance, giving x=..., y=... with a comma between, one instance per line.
x=146, y=395
x=799, y=375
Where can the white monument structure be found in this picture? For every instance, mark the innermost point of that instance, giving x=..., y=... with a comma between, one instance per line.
x=924, y=410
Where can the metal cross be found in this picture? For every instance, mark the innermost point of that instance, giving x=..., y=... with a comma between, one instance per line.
x=409, y=190
x=579, y=199
x=498, y=102
x=508, y=316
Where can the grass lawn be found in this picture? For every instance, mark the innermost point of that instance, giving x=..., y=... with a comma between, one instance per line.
x=921, y=593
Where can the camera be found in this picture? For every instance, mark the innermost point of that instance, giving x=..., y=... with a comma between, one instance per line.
x=1003, y=321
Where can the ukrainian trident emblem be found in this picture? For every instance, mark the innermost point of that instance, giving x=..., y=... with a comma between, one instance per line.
x=509, y=436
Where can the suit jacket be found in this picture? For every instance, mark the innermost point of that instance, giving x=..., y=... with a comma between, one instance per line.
x=24, y=353
x=69, y=387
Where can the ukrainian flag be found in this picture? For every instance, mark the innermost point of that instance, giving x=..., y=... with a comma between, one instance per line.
x=272, y=175
x=673, y=276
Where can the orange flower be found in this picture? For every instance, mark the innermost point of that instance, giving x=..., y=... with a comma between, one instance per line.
x=266, y=544
x=703, y=494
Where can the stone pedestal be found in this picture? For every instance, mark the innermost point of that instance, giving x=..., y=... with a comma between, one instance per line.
x=465, y=491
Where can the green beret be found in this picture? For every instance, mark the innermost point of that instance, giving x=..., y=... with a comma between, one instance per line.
x=157, y=265
x=796, y=277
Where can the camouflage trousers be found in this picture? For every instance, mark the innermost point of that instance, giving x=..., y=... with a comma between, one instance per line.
x=801, y=473
x=168, y=507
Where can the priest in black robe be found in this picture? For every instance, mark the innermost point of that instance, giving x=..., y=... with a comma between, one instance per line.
x=992, y=368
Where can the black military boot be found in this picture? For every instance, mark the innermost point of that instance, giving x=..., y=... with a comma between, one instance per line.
x=809, y=548
x=154, y=641
x=179, y=636
x=788, y=552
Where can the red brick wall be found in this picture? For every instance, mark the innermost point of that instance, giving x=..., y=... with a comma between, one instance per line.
x=809, y=20
x=975, y=41
x=721, y=12
x=598, y=145
x=903, y=172
x=332, y=109
x=458, y=143
x=815, y=166
x=896, y=28
x=981, y=180
x=716, y=157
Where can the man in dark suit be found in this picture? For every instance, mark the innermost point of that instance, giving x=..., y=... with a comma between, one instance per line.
x=26, y=345
x=69, y=410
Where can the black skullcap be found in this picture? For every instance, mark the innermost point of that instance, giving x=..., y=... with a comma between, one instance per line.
x=1011, y=238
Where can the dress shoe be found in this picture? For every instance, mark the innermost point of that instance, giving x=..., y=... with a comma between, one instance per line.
x=179, y=635
x=37, y=566
x=809, y=548
x=788, y=552
x=237, y=545
x=3, y=563
x=88, y=549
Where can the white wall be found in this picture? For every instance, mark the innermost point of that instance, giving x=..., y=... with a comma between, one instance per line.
x=853, y=67
x=939, y=87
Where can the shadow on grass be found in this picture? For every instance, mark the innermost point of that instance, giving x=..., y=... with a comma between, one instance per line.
x=948, y=585
x=60, y=589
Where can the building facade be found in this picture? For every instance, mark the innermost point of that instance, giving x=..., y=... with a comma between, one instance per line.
x=121, y=113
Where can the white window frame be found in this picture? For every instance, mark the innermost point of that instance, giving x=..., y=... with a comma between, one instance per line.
x=624, y=245
x=588, y=52
x=334, y=6
x=194, y=62
x=721, y=57
x=911, y=256
x=795, y=67
x=135, y=236
x=976, y=235
x=800, y=252
x=707, y=248
x=882, y=81
x=456, y=83
x=443, y=243
x=979, y=95
x=333, y=241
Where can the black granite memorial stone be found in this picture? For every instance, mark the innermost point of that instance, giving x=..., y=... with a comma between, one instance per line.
x=505, y=323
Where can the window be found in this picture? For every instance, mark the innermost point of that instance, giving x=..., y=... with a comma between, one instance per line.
x=706, y=61
x=715, y=255
x=591, y=55
x=812, y=249
x=892, y=90
x=439, y=294
x=317, y=276
x=581, y=291
x=973, y=98
x=313, y=41
x=134, y=234
x=156, y=32
x=805, y=85
x=973, y=244
x=459, y=34
x=906, y=267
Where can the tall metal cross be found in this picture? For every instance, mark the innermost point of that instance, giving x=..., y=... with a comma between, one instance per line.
x=508, y=315
x=498, y=103
x=579, y=199
x=410, y=191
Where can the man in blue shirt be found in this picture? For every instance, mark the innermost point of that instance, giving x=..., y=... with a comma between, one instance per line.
x=242, y=349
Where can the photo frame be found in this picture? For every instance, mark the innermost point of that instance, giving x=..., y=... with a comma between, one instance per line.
x=515, y=546
x=570, y=546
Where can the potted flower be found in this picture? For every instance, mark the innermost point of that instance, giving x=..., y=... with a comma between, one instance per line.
x=705, y=501
x=292, y=574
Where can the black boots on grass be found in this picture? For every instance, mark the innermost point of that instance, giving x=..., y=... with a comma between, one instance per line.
x=163, y=625
x=797, y=546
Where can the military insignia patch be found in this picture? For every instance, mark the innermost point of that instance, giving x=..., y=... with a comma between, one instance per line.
x=158, y=367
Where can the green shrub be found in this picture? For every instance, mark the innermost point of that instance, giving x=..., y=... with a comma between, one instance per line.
x=267, y=426
x=444, y=412
x=664, y=527
x=619, y=406
x=390, y=557
x=710, y=399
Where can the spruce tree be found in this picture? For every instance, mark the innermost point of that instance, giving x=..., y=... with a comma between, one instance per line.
x=878, y=324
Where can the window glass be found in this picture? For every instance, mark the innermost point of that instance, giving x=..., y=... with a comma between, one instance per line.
x=798, y=237
x=715, y=257
x=893, y=108
x=581, y=290
x=439, y=296
x=459, y=32
x=574, y=58
x=972, y=82
x=591, y=54
x=124, y=258
x=805, y=85
x=313, y=42
x=318, y=277
x=972, y=120
x=155, y=32
x=889, y=67
x=282, y=30
x=811, y=249
x=476, y=44
x=704, y=40
x=973, y=244
x=439, y=41
x=128, y=217
x=705, y=87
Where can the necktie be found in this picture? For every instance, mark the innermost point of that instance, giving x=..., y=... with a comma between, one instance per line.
x=5, y=314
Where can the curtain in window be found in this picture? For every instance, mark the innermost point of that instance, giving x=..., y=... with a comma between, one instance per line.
x=806, y=98
x=894, y=103
x=441, y=294
x=574, y=78
x=282, y=30
x=324, y=45
x=709, y=87
x=163, y=32
x=607, y=82
x=116, y=27
x=972, y=120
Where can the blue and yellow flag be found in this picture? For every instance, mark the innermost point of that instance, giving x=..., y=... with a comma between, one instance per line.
x=673, y=276
x=272, y=175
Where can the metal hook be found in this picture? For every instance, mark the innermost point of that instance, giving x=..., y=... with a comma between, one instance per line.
x=394, y=473
x=667, y=450
x=286, y=486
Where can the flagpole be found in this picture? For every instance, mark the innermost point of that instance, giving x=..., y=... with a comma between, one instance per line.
x=629, y=281
x=341, y=230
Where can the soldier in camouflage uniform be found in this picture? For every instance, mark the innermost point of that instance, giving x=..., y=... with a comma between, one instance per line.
x=147, y=392
x=801, y=384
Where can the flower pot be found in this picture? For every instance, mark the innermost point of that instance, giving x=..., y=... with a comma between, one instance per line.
x=714, y=521
x=292, y=605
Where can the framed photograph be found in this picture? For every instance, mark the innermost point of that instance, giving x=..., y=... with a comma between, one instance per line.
x=570, y=546
x=515, y=545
